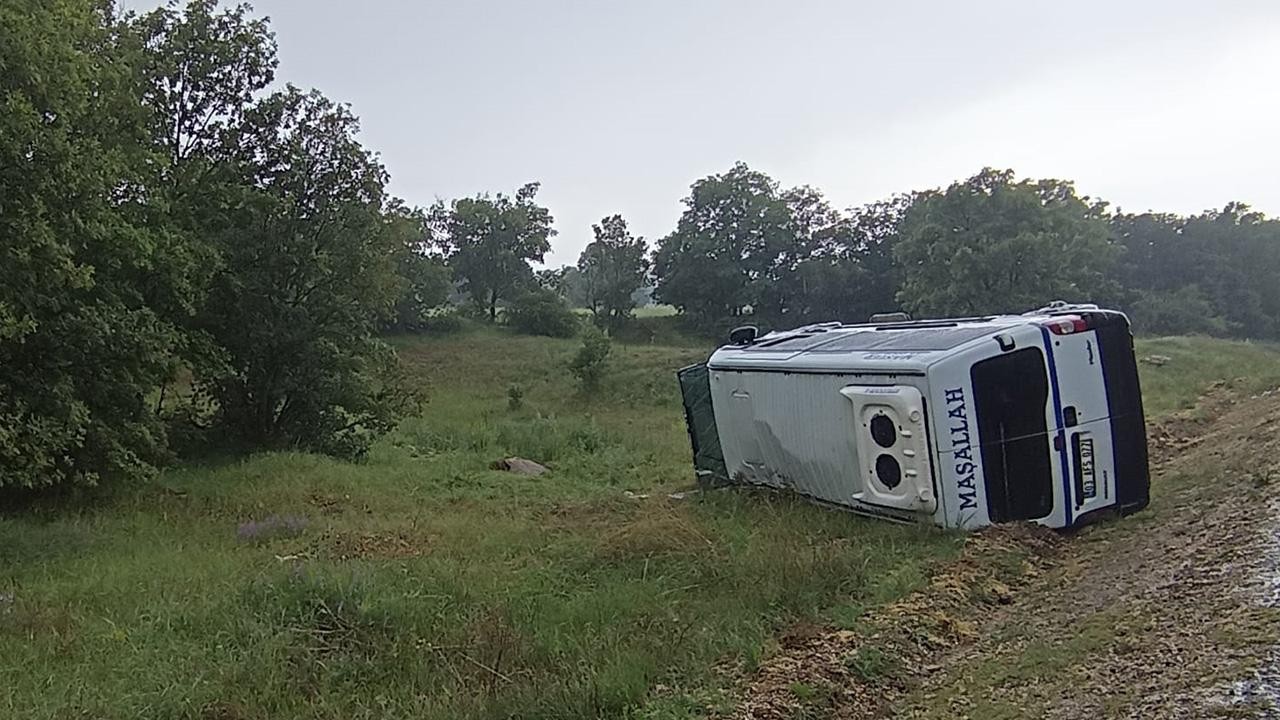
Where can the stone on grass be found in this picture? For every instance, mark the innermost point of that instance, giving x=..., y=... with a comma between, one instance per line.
x=519, y=466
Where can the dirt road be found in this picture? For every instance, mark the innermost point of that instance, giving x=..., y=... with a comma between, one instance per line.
x=1171, y=613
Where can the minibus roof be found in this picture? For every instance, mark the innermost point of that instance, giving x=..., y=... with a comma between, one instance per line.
x=898, y=347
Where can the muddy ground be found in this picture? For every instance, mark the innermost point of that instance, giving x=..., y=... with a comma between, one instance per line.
x=1171, y=613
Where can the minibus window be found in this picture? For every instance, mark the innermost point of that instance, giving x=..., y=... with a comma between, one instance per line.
x=1010, y=393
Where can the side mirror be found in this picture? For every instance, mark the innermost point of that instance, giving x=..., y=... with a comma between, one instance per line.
x=744, y=335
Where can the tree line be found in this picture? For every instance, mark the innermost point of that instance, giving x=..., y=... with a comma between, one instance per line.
x=746, y=249
x=989, y=243
x=190, y=249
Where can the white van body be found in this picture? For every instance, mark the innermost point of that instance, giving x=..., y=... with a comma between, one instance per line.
x=960, y=422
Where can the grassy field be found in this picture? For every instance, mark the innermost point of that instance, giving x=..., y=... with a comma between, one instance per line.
x=1194, y=362
x=423, y=584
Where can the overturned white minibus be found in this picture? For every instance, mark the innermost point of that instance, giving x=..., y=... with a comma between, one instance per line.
x=962, y=422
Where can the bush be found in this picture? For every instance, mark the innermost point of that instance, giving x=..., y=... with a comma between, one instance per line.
x=870, y=663
x=515, y=396
x=1184, y=311
x=542, y=312
x=590, y=362
x=444, y=321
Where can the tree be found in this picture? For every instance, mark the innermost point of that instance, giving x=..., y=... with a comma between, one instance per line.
x=307, y=274
x=612, y=268
x=1185, y=311
x=993, y=243
x=553, y=279
x=591, y=361
x=540, y=311
x=298, y=252
x=848, y=272
x=571, y=284
x=726, y=247
x=1241, y=274
x=786, y=254
x=786, y=291
x=203, y=68
x=1214, y=272
x=423, y=279
x=200, y=70
x=80, y=350
x=870, y=235
x=489, y=242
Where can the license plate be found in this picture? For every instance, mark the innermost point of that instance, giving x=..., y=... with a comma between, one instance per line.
x=1084, y=465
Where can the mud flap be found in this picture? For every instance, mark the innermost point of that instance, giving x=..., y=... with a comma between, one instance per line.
x=700, y=420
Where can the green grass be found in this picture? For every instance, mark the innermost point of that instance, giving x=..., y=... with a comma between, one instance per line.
x=426, y=585
x=1195, y=362
x=870, y=663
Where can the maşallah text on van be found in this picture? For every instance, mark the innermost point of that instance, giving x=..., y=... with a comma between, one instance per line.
x=962, y=422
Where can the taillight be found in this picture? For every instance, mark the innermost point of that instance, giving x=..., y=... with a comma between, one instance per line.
x=1066, y=324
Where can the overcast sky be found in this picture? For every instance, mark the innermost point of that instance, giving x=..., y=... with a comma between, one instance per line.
x=616, y=107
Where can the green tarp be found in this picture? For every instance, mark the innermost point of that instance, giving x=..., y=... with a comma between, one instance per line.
x=700, y=418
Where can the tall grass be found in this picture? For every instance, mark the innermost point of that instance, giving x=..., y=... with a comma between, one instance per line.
x=1195, y=362
x=424, y=584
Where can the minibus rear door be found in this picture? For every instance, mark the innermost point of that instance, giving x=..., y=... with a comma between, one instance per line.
x=1082, y=439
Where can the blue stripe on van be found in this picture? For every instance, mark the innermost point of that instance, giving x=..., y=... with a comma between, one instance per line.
x=1061, y=441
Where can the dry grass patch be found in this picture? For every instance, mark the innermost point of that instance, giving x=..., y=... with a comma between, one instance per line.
x=658, y=528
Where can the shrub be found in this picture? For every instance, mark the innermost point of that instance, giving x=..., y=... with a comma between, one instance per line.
x=515, y=396
x=443, y=322
x=590, y=362
x=870, y=663
x=1183, y=311
x=542, y=312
